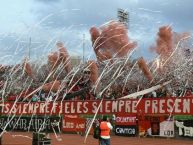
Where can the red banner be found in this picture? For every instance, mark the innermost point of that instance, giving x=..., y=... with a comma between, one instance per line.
x=183, y=105
x=39, y=108
x=73, y=124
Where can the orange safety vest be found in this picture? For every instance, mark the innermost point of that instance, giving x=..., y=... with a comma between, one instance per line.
x=105, y=130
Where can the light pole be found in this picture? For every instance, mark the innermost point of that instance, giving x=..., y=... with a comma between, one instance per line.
x=29, y=48
x=123, y=17
x=83, y=46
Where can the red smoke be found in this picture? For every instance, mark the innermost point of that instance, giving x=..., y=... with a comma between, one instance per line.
x=92, y=66
x=27, y=68
x=167, y=40
x=143, y=66
x=164, y=41
x=103, y=55
x=94, y=34
x=64, y=56
x=111, y=40
x=53, y=59
x=60, y=57
x=52, y=86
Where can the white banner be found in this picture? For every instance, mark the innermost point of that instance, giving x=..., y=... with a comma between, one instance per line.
x=167, y=128
x=188, y=131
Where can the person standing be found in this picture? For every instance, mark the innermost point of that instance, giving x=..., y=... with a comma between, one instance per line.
x=105, y=127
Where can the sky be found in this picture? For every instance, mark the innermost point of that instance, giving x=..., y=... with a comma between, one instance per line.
x=47, y=21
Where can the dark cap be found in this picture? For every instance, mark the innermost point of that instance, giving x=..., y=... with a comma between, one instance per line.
x=105, y=118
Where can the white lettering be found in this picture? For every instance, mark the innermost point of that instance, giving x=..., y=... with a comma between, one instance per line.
x=130, y=131
x=107, y=110
x=128, y=106
x=94, y=106
x=147, y=105
x=177, y=105
x=79, y=104
x=85, y=108
x=67, y=106
x=169, y=105
x=161, y=106
x=121, y=104
x=186, y=106
x=154, y=106
x=134, y=107
x=42, y=106
x=25, y=108
x=114, y=106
